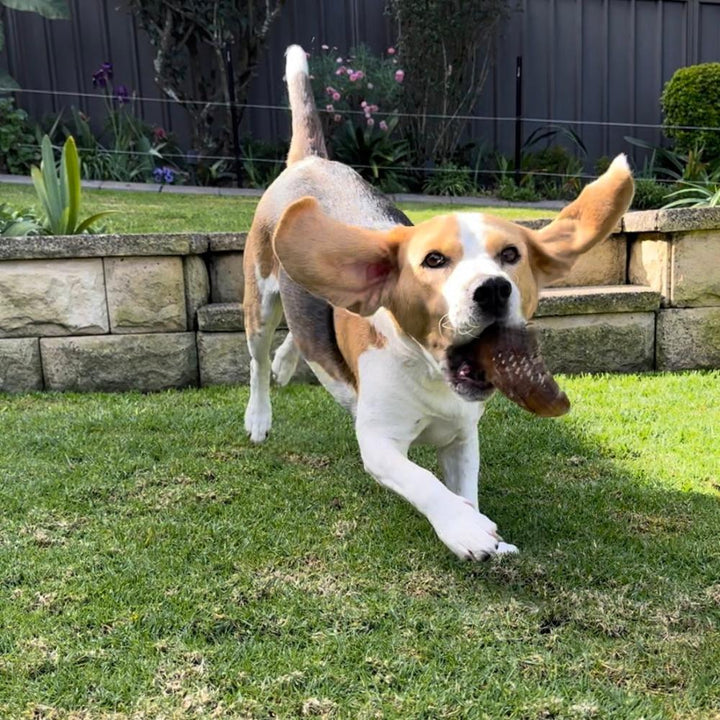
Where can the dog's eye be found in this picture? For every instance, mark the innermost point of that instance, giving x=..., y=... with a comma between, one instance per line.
x=434, y=260
x=510, y=255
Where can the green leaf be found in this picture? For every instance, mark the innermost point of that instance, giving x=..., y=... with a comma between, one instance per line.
x=51, y=9
x=87, y=222
x=70, y=173
x=39, y=184
x=51, y=184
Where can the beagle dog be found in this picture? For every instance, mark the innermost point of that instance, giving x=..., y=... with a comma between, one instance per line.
x=386, y=314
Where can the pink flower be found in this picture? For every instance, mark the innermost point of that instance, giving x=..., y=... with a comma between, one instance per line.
x=353, y=77
x=325, y=47
x=330, y=108
x=329, y=90
x=338, y=61
x=383, y=126
x=337, y=118
x=373, y=108
x=336, y=96
x=399, y=75
x=370, y=122
x=391, y=51
x=359, y=74
x=363, y=104
x=341, y=70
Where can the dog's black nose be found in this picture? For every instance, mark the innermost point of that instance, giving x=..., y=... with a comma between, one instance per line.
x=492, y=296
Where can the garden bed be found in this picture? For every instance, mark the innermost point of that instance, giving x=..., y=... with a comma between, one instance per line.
x=149, y=312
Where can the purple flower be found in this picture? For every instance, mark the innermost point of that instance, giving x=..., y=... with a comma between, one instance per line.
x=164, y=175
x=100, y=77
x=122, y=94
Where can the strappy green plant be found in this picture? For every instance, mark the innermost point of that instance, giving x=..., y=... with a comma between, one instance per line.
x=59, y=194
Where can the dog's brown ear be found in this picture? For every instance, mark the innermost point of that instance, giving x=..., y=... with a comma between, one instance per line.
x=349, y=266
x=583, y=223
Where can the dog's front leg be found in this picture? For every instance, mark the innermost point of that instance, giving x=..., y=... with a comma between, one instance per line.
x=467, y=533
x=460, y=462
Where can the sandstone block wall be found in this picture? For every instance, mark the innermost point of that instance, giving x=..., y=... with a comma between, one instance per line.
x=149, y=312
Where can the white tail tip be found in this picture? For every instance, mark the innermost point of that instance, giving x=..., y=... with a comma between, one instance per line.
x=295, y=62
x=620, y=163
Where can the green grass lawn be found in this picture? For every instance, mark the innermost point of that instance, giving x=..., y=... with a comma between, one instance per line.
x=139, y=212
x=156, y=564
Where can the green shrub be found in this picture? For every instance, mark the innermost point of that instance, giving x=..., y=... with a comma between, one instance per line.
x=450, y=179
x=649, y=194
x=18, y=149
x=59, y=192
x=692, y=98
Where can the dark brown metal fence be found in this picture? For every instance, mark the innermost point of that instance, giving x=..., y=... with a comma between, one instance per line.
x=596, y=65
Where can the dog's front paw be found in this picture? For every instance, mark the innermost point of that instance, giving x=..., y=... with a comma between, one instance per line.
x=467, y=533
x=258, y=419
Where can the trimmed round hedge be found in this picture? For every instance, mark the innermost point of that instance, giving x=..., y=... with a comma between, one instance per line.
x=692, y=97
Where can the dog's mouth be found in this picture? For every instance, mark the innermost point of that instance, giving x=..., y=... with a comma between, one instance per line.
x=509, y=359
x=464, y=373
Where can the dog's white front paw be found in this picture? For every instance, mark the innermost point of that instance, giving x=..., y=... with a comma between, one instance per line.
x=466, y=532
x=258, y=419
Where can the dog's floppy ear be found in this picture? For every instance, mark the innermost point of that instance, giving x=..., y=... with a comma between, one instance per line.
x=349, y=266
x=583, y=223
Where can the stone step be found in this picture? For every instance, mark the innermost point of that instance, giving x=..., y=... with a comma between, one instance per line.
x=593, y=300
x=597, y=300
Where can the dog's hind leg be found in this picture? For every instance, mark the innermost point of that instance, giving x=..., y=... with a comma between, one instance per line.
x=263, y=311
x=285, y=361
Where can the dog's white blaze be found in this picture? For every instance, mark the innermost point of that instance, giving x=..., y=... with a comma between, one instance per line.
x=476, y=266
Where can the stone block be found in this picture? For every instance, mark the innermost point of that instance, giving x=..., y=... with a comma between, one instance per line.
x=650, y=263
x=597, y=299
x=97, y=246
x=224, y=359
x=144, y=362
x=20, y=369
x=52, y=297
x=672, y=220
x=221, y=317
x=602, y=265
x=695, y=269
x=227, y=283
x=227, y=242
x=688, y=338
x=197, y=287
x=614, y=342
x=683, y=267
x=146, y=294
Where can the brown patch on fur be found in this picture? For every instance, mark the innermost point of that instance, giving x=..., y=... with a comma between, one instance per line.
x=355, y=335
x=257, y=258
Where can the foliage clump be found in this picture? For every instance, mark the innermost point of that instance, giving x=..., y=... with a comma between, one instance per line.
x=691, y=98
x=446, y=48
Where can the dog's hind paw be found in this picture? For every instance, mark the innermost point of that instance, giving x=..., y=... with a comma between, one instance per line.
x=285, y=361
x=257, y=422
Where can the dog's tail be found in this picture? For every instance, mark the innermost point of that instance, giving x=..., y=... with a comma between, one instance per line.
x=307, y=134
